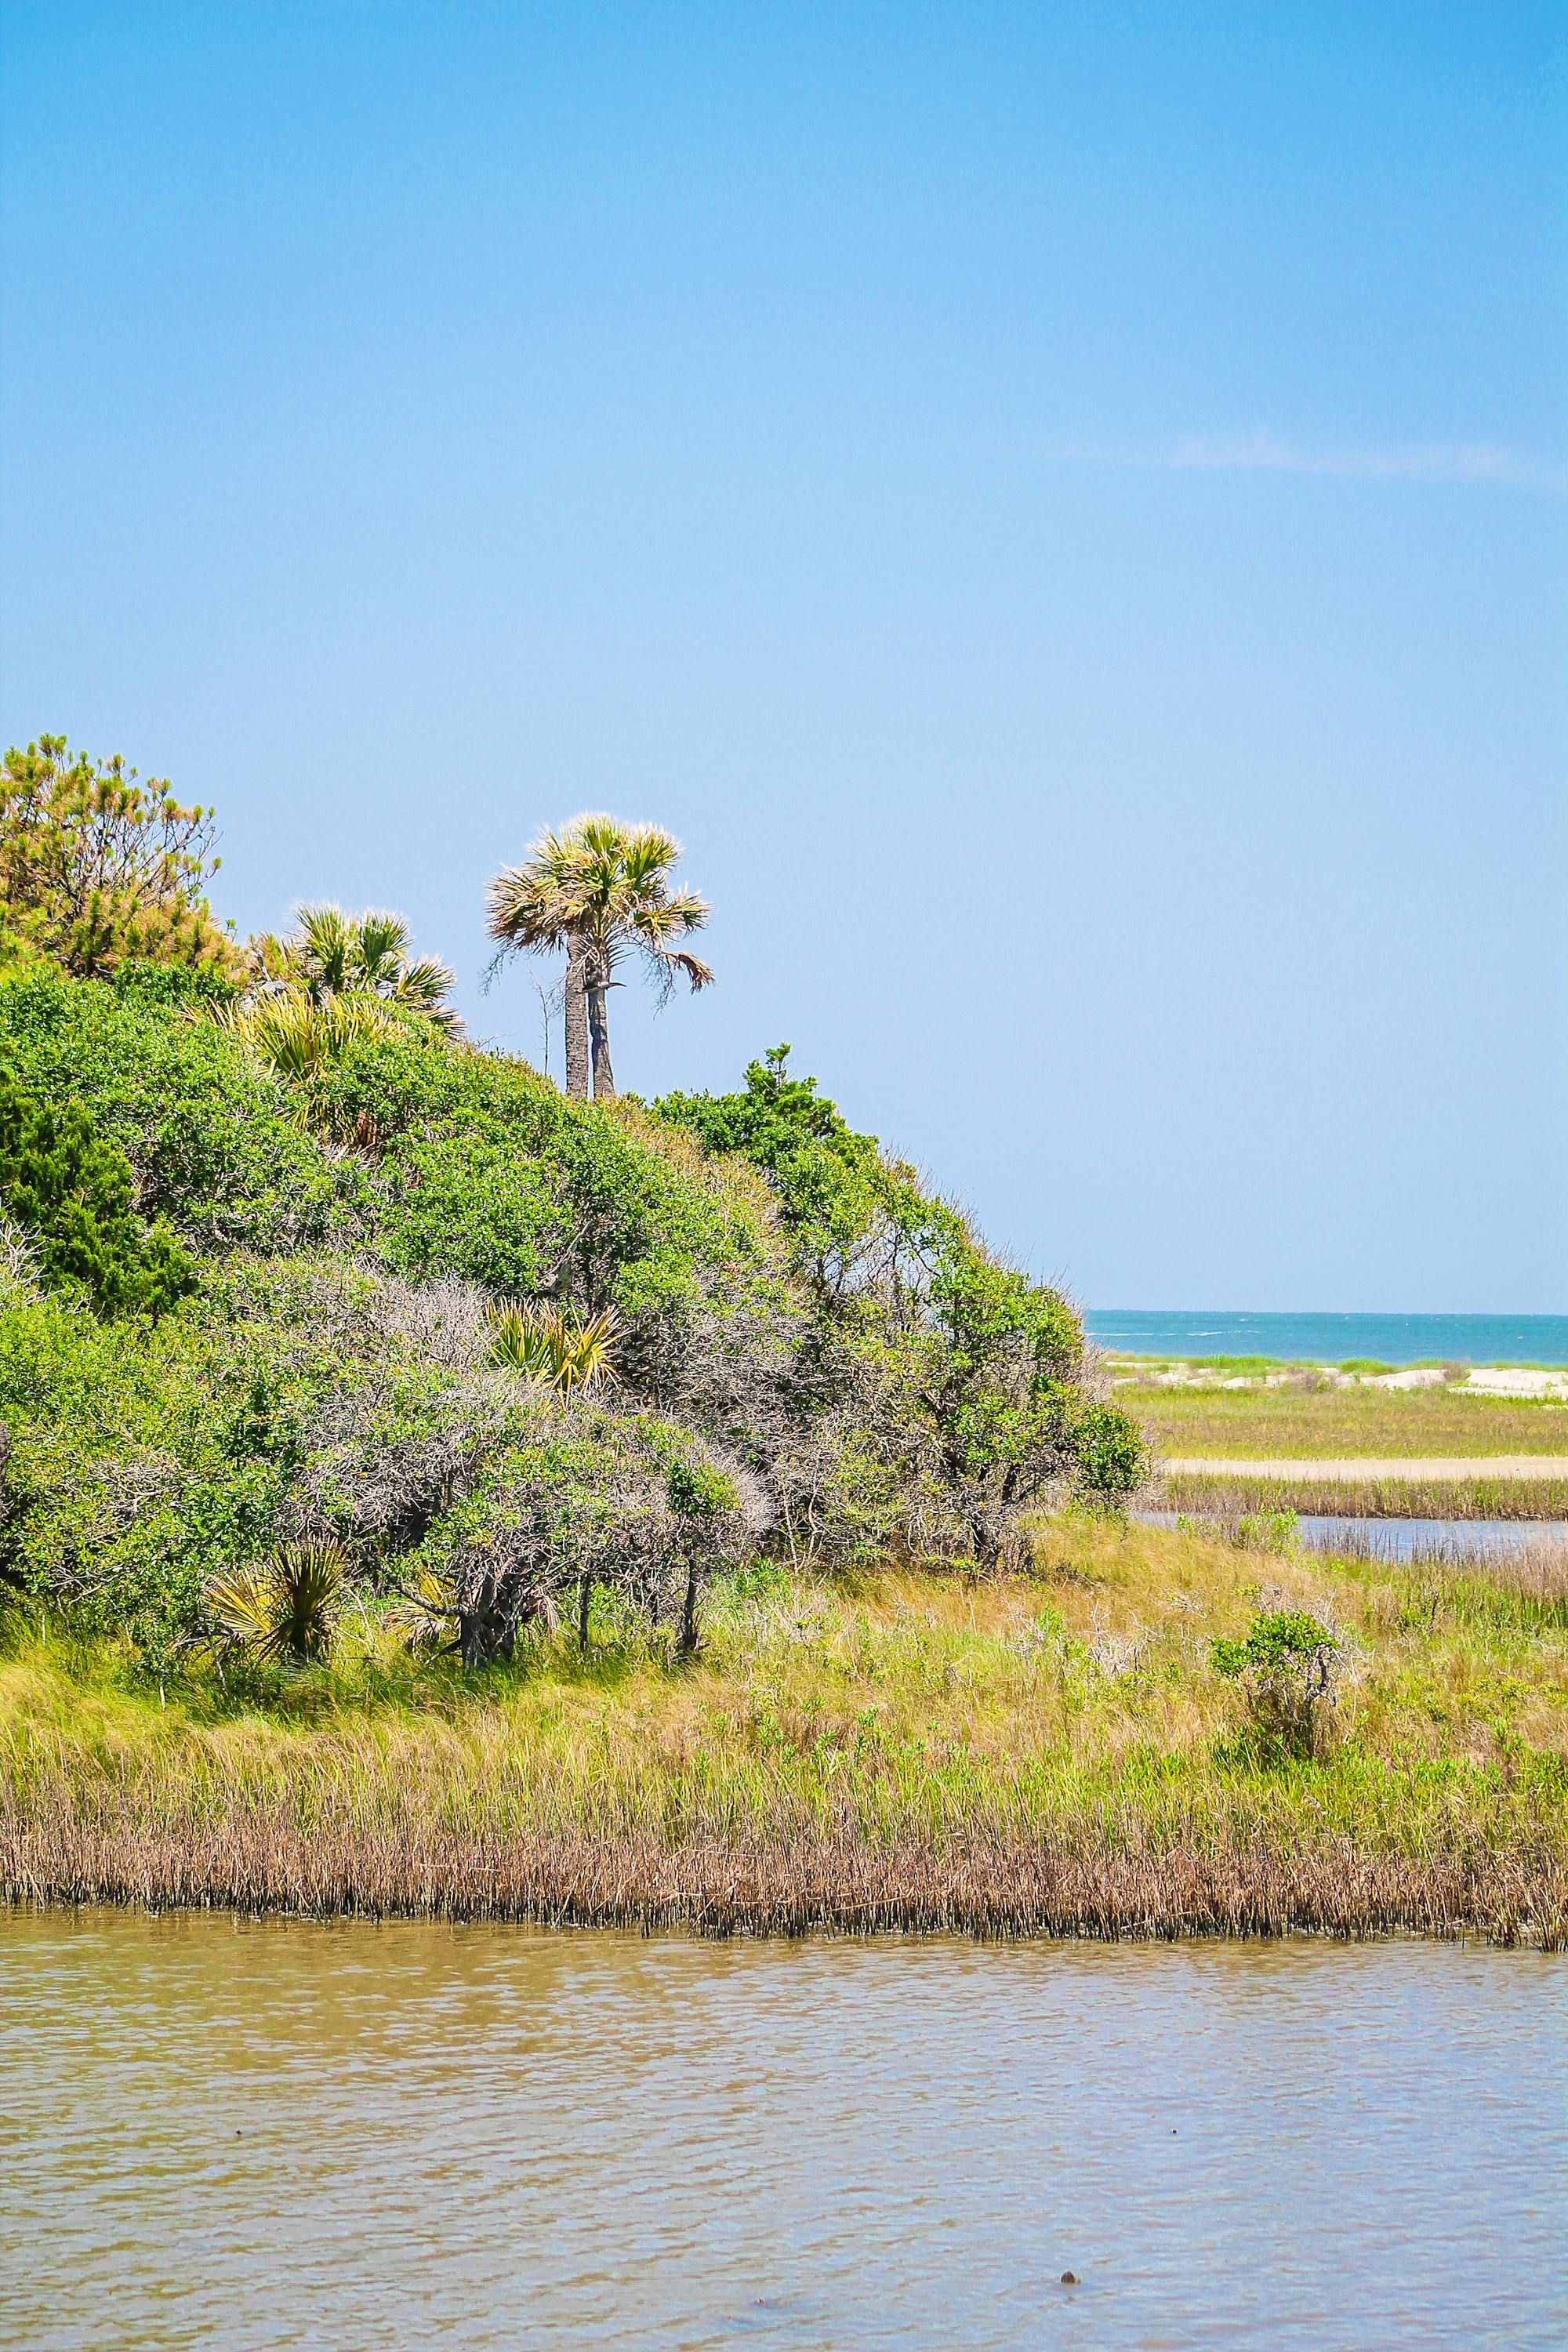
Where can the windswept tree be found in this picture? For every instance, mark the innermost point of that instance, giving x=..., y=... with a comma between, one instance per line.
x=98, y=869
x=599, y=890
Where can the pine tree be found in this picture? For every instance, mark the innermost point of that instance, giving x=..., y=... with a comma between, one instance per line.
x=71, y=1192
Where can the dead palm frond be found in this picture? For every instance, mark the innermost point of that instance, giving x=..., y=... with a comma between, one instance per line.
x=286, y=1607
x=425, y=1612
x=429, y=1614
x=553, y=1350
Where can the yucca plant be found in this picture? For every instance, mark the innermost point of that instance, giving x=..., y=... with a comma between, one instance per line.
x=285, y=1608
x=553, y=1350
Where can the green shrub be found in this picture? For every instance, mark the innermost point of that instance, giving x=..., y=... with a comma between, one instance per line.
x=210, y=1137
x=1292, y=1668
x=828, y=1181
x=966, y=1378
x=1112, y=1456
x=71, y=1192
x=586, y=1498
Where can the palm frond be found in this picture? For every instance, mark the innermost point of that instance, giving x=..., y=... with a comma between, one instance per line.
x=423, y=987
x=323, y=949
x=553, y=1350
x=380, y=946
x=297, y=1037
x=698, y=973
x=426, y=1612
x=286, y=1607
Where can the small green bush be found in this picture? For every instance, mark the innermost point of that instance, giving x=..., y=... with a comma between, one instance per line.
x=71, y=1192
x=1292, y=1668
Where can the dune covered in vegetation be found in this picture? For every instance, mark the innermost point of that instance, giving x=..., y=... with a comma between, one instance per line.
x=427, y=1489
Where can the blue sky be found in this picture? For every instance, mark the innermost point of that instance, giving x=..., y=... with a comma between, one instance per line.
x=1064, y=511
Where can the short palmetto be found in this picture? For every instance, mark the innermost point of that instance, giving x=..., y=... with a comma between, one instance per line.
x=335, y=980
x=299, y=1038
x=553, y=1349
x=330, y=956
x=285, y=1608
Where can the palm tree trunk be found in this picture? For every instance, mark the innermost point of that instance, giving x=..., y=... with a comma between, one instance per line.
x=686, y=1645
x=576, y=1015
x=599, y=1027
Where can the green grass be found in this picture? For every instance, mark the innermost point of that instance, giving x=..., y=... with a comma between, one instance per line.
x=1300, y=1422
x=903, y=1749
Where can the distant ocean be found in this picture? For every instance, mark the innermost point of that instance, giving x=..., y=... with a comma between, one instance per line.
x=1336, y=1339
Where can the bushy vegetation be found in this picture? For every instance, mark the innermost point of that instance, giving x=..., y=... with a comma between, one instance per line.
x=292, y=1275
x=1292, y=1667
x=68, y=1196
x=376, y=1302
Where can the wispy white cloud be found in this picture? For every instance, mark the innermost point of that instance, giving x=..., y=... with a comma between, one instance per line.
x=1262, y=451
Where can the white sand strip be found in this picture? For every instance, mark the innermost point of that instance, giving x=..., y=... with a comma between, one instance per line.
x=1348, y=1469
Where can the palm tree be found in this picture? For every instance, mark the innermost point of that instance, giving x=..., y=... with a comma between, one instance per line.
x=330, y=955
x=601, y=890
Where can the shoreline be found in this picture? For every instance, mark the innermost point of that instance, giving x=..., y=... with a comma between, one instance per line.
x=1054, y=1752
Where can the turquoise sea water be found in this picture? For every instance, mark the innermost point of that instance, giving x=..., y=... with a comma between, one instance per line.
x=1335, y=1338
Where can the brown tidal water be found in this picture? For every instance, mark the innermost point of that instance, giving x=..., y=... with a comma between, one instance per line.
x=266, y=2133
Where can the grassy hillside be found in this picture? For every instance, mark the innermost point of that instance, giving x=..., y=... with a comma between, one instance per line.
x=1053, y=1750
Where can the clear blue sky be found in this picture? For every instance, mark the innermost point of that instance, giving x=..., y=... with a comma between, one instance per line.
x=1063, y=509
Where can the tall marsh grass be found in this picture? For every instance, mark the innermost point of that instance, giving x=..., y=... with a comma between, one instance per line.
x=1387, y=1499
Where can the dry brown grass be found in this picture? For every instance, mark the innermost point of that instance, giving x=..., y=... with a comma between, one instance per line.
x=790, y=1881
